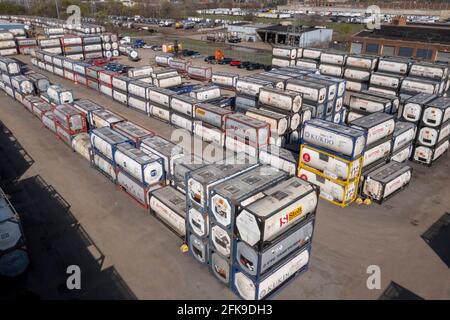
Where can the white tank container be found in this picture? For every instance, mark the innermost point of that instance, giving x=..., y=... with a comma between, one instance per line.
x=404, y=134
x=431, y=136
x=284, y=100
x=278, y=123
x=48, y=120
x=59, y=95
x=206, y=93
x=163, y=148
x=357, y=74
x=22, y=84
x=211, y=114
x=169, y=205
x=428, y=155
x=311, y=91
x=276, y=214
x=251, y=87
x=376, y=153
x=105, y=89
x=305, y=63
x=385, y=80
x=377, y=126
x=248, y=290
x=278, y=62
x=330, y=165
x=163, y=60
x=104, y=118
x=159, y=112
x=331, y=70
x=81, y=144
x=356, y=86
x=201, y=73
x=140, y=71
x=240, y=125
x=419, y=85
x=223, y=79
x=280, y=158
x=284, y=52
x=333, y=58
x=337, y=138
x=181, y=122
x=310, y=53
x=120, y=96
x=209, y=133
x=431, y=71
x=384, y=181
x=139, y=89
x=393, y=66
x=168, y=81
x=403, y=154
x=121, y=82
x=70, y=118
x=146, y=167
x=139, y=104
x=183, y=104
x=362, y=62
x=179, y=64
x=385, y=91
x=436, y=112
x=105, y=140
x=328, y=189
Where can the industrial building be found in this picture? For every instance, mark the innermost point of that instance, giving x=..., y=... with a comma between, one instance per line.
x=246, y=31
x=282, y=34
x=422, y=41
x=303, y=36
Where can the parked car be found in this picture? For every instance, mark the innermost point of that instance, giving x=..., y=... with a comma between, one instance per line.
x=243, y=64
x=156, y=48
x=225, y=61
x=209, y=59
x=234, y=40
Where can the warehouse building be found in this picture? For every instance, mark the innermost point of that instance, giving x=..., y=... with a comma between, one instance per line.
x=246, y=31
x=303, y=36
x=421, y=41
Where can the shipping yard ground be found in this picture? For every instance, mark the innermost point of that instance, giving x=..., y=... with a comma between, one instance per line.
x=142, y=258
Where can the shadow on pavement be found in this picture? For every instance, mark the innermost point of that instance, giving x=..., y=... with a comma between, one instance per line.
x=54, y=238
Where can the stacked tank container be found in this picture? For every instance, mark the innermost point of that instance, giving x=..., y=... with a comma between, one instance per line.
x=246, y=134
x=226, y=200
x=209, y=123
x=92, y=46
x=138, y=172
x=69, y=122
x=110, y=45
x=72, y=47
x=104, y=142
x=358, y=70
x=198, y=184
x=285, y=56
x=331, y=157
x=273, y=233
x=433, y=132
x=7, y=43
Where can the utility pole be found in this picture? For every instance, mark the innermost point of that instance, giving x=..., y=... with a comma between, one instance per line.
x=57, y=10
